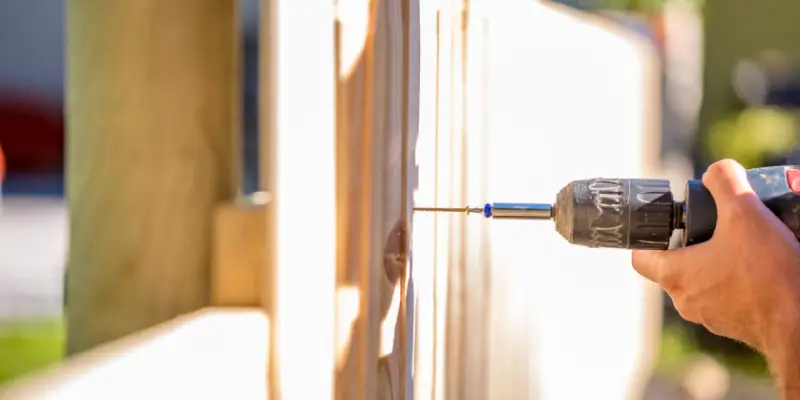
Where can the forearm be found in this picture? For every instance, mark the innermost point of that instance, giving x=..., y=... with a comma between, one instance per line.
x=783, y=355
x=789, y=393
x=786, y=372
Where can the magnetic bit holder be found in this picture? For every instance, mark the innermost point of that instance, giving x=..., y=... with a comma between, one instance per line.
x=534, y=211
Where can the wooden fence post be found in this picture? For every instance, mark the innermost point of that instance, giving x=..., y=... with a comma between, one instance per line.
x=152, y=105
x=297, y=127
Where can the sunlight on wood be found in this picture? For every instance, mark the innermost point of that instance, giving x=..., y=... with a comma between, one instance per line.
x=222, y=348
x=347, y=300
x=576, y=99
x=388, y=325
x=477, y=272
x=354, y=18
x=444, y=172
x=506, y=99
x=376, y=104
x=424, y=241
x=299, y=75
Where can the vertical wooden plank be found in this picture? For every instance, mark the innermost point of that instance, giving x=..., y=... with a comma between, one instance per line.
x=443, y=196
x=409, y=181
x=152, y=114
x=404, y=190
x=458, y=293
x=298, y=114
x=573, y=100
x=424, y=238
x=268, y=164
x=371, y=211
x=477, y=262
x=355, y=33
x=377, y=89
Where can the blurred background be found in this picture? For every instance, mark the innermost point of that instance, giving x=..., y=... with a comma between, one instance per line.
x=730, y=88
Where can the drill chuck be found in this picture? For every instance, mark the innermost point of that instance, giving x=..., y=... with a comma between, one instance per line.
x=613, y=213
x=642, y=213
x=617, y=213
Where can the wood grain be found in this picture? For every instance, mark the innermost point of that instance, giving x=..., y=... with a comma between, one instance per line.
x=377, y=122
x=239, y=256
x=152, y=88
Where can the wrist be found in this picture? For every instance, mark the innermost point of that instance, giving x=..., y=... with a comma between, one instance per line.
x=782, y=350
x=789, y=392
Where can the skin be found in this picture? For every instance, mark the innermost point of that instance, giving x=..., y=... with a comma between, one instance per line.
x=744, y=283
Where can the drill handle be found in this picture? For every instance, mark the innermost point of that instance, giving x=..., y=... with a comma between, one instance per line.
x=778, y=188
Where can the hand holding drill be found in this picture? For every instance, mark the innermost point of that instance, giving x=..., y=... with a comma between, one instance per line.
x=744, y=282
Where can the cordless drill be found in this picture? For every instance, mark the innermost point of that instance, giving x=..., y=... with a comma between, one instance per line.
x=642, y=213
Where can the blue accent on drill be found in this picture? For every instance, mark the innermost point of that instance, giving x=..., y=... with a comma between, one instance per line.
x=487, y=210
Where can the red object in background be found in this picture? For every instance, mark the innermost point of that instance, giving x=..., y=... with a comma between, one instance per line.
x=31, y=134
x=2, y=165
x=658, y=25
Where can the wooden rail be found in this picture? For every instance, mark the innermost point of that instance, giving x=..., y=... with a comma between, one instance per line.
x=213, y=353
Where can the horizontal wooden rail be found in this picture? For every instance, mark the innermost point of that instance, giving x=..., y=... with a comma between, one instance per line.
x=213, y=353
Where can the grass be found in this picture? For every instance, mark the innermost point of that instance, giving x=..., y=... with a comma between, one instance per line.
x=678, y=347
x=28, y=345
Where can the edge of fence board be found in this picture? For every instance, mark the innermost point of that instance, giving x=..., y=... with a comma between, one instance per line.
x=213, y=352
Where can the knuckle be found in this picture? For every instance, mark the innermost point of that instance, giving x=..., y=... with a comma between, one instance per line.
x=670, y=281
x=685, y=310
x=724, y=170
x=688, y=314
x=713, y=329
x=714, y=169
x=671, y=277
x=724, y=165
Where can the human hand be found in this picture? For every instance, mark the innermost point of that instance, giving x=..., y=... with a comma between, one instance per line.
x=743, y=283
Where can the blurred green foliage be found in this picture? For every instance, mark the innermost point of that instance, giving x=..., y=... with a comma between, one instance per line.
x=636, y=6
x=752, y=136
x=678, y=347
x=27, y=345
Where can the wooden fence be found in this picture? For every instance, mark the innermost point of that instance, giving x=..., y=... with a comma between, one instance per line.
x=366, y=108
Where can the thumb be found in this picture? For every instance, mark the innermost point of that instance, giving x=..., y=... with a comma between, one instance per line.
x=726, y=180
x=650, y=263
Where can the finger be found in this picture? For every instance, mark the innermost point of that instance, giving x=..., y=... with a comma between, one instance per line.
x=668, y=268
x=726, y=180
x=650, y=264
